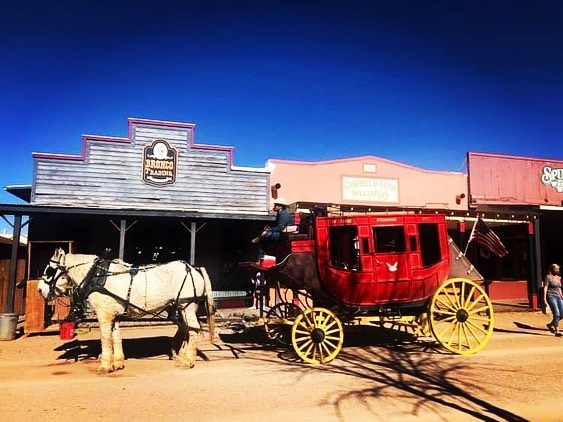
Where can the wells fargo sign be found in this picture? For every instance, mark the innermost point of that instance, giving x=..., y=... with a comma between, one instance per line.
x=159, y=164
x=553, y=177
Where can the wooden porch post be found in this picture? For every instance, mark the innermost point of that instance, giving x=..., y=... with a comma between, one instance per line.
x=122, y=230
x=13, y=264
x=536, y=273
x=193, y=232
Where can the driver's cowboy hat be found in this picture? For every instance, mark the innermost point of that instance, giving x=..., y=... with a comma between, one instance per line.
x=280, y=201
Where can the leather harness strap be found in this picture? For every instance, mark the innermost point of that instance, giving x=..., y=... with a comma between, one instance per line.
x=179, y=303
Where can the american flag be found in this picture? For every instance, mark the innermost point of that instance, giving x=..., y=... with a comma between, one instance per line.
x=485, y=237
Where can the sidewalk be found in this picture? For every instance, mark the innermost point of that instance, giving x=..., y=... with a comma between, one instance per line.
x=512, y=306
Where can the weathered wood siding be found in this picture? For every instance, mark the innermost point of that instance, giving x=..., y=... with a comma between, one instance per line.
x=501, y=179
x=109, y=175
x=19, y=294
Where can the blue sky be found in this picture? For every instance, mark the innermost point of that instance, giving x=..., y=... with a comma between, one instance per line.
x=419, y=82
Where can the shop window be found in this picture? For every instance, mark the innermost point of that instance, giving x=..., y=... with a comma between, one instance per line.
x=513, y=266
x=429, y=243
x=344, y=247
x=389, y=239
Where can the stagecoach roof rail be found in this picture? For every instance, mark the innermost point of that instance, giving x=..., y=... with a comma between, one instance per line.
x=348, y=209
x=333, y=210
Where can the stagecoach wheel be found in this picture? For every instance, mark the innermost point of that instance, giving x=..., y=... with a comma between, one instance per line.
x=461, y=316
x=317, y=335
x=277, y=323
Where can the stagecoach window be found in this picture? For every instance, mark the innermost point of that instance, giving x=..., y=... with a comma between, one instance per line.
x=429, y=243
x=390, y=239
x=344, y=247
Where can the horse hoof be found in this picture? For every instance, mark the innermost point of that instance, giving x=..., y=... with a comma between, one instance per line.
x=184, y=364
x=117, y=364
x=102, y=370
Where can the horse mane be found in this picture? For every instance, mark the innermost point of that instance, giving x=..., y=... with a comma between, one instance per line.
x=80, y=259
x=79, y=264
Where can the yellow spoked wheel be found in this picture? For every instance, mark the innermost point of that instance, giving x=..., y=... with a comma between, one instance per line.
x=461, y=316
x=317, y=335
x=279, y=320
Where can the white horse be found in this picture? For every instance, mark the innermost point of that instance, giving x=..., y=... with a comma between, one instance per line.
x=113, y=288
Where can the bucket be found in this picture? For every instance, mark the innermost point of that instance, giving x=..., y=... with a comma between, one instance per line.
x=8, y=325
x=67, y=330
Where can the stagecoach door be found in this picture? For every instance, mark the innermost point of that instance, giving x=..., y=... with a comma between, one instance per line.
x=390, y=263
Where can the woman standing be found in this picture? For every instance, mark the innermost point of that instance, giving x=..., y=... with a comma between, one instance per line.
x=553, y=296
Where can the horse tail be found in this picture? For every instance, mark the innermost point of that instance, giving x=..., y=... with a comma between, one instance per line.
x=210, y=306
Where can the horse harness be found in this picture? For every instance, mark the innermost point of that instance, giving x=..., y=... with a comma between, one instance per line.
x=99, y=272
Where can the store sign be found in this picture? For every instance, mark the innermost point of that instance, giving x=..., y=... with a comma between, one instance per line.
x=364, y=189
x=553, y=177
x=159, y=164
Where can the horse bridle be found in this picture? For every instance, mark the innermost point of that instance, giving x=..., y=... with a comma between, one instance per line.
x=51, y=275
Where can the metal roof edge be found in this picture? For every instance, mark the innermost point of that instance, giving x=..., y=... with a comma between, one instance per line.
x=34, y=210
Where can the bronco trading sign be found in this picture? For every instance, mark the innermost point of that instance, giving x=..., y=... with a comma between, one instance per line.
x=159, y=164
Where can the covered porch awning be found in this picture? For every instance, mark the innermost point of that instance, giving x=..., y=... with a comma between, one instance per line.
x=17, y=211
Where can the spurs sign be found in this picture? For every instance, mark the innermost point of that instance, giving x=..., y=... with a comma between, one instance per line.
x=159, y=164
x=553, y=177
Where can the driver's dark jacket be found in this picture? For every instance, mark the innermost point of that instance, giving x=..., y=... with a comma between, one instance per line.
x=283, y=219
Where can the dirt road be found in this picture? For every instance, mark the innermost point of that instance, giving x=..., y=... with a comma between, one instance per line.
x=377, y=376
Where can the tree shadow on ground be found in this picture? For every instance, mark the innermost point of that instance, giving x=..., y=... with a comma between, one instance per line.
x=417, y=375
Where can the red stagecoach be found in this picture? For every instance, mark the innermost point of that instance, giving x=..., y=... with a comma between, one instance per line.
x=398, y=269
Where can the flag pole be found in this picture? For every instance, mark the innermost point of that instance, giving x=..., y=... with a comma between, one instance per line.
x=471, y=235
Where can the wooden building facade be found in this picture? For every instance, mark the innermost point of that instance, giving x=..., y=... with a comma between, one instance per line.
x=157, y=167
x=152, y=197
x=531, y=187
x=18, y=294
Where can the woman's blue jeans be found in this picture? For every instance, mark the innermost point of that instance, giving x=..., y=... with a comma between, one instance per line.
x=556, y=305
